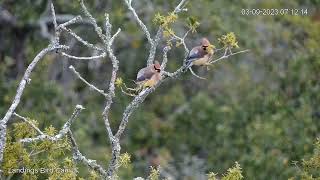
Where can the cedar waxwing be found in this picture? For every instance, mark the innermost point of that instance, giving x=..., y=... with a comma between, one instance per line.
x=200, y=55
x=149, y=76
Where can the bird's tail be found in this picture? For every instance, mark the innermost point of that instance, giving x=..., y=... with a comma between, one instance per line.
x=187, y=65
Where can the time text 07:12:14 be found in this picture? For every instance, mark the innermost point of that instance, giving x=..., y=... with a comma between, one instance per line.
x=274, y=12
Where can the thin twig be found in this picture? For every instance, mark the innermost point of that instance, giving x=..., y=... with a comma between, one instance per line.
x=54, y=17
x=141, y=24
x=83, y=58
x=54, y=45
x=30, y=123
x=165, y=58
x=86, y=43
x=93, y=21
x=225, y=56
x=194, y=74
x=180, y=8
x=61, y=133
x=78, y=157
x=86, y=82
x=38, y=152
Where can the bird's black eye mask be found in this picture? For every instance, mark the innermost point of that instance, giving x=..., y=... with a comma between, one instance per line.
x=204, y=47
x=158, y=70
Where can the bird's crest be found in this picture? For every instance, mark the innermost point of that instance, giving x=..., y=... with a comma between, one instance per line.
x=205, y=42
x=157, y=66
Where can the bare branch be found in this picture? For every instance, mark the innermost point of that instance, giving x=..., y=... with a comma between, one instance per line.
x=153, y=42
x=54, y=17
x=26, y=79
x=182, y=40
x=81, y=40
x=30, y=123
x=93, y=22
x=180, y=8
x=153, y=48
x=61, y=133
x=108, y=30
x=115, y=68
x=54, y=45
x=84, y=58
x=70, y=22
x=114, y=36
x=86, y=82
x=165, y=58
x=175, y=74
x=194, y=74
x=77, y=156
x=108, y=26
x=225, y=56
x=59, y=17
x=56, y=38
x=138, y=100
x=38, y=152
x=141, y=24
x=129, y=110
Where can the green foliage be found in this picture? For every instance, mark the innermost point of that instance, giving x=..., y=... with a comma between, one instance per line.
x=165, y=22
x=193, y=24
x=311, y=167
x=234, y=173
x=15, y=155
x=24, y=130
x=154, y=173
x=229, y=40
x=212, y=176
x=40, y=159
x=124, y=160
x=93, y=176
x=119, y=82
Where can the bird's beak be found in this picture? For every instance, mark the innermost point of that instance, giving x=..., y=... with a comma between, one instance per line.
x=211, y=48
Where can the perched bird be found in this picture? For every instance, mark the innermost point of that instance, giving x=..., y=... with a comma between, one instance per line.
x=149, y=76
x=200, y=55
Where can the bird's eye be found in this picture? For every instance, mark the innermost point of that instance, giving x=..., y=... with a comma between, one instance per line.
x=155, y=68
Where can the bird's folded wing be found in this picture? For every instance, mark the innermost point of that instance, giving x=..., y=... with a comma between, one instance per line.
x=195, y=53
x=144, y=74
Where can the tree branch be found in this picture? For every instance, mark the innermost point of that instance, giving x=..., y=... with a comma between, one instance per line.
x=61, y=133
x=54, y=45
x=141, y=24
x=93, y=22
x=226, y=55
x=86, y=82
x=81, y=40
x=78, y=157
x=83, y=58
x=30, y=123
x=164, y=59
x=180, y=8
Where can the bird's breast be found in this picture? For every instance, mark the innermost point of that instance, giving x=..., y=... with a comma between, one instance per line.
x=201, y=61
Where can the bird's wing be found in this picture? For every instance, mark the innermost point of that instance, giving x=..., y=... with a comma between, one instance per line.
x=144, y=74
x=196, y=53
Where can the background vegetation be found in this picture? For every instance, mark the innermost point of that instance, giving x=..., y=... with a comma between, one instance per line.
x=260, y=109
